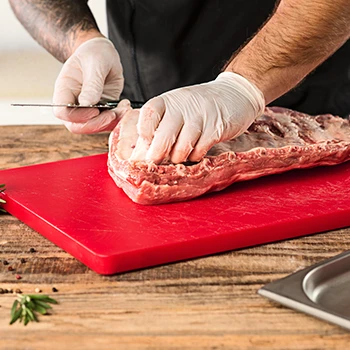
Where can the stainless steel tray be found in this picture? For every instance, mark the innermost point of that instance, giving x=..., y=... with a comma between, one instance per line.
x=321, y=290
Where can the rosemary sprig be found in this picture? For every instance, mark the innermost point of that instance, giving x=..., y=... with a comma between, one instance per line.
x=26, y=307
x=2, y=201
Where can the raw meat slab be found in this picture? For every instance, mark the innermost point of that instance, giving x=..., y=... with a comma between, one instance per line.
x=77, y=206
x=278, y=141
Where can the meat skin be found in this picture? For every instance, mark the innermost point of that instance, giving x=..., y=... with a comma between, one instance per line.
x=278, y=141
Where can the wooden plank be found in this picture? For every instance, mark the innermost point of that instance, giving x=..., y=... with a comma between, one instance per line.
x=206, y=303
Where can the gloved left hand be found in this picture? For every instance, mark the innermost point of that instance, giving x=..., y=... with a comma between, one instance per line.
x=93, y=72
x=183, y=124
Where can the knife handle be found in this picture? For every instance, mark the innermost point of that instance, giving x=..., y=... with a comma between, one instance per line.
x=134, y=104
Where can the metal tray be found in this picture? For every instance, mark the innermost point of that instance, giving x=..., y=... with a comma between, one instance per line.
x=321, y=290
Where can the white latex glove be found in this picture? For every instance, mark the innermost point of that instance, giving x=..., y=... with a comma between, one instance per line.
x=92, y=73
x=183, y=124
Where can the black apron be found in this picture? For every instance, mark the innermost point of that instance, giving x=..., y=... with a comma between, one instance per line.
x=166, y=44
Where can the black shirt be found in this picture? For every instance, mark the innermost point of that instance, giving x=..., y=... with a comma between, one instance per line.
x=166, y=44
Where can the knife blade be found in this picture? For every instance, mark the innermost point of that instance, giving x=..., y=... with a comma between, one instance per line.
x=100, y=105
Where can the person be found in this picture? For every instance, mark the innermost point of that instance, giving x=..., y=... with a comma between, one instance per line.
x=205, y=68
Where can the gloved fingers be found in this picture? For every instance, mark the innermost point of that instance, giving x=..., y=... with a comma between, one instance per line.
x=204, y=144
x=113, y=87
x=83, y=115
x=140, y=150
x=186, y=141
x=151, y=115
x=92, y=86
x=101, y=77
x=75, y=115
x=66, y=91
x=68, y=83
x=105, y=121
x=123, y=107
x=165, y=136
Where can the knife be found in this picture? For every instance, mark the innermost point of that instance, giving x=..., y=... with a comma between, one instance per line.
x=100, y=105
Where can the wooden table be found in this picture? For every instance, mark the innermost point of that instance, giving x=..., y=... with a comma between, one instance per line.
x=207, y=303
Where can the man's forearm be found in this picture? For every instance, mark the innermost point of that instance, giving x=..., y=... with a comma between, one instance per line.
x=299, y=36
x=60, y=26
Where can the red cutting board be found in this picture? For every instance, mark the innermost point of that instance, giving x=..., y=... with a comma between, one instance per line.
x=76, y=205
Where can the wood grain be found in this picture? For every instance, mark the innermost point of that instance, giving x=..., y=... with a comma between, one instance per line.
x=206, y=303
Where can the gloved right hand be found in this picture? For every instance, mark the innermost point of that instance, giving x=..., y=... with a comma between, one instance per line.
x=183, y=124
x=93, y=72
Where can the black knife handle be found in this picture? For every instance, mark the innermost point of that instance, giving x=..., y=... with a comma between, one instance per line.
x=134, y=104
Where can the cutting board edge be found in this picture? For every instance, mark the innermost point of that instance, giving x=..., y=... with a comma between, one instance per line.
x=158, y=255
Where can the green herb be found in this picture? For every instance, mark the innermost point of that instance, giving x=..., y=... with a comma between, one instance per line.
x=2, y=201
x=26, y=307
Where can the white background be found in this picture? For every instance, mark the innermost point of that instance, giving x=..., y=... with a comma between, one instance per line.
x=27, y=71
